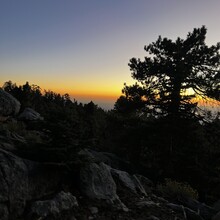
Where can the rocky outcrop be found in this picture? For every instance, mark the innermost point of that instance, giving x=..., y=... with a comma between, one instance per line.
x=30, y=114
x=55, y=208
x=9, y=105
x=13, y=184
x=22, y=181
x=50, y=191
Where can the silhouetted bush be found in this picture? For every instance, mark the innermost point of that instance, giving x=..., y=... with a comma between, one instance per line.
x=172, y=189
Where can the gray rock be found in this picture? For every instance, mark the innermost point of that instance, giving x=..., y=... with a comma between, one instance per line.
x=93, y=210
x=14, y=137
x=204, y=210
x=108, y=158
x=61, y=202
x=175, y=207
x=130, y=182
x=96, y=182
x=146, y=204
x=125, y=179
x=30, y=114
x=14, y=183
x=192, y=215
x=23, y=180
x=7, y=146
x=87, y=155
x=9, y=105
x=139, y=187
x=65, y=200
x=159, y=199
x=188, y=213
x=145, y=182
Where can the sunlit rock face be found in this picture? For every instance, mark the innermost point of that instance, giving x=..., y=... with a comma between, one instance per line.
x=8, y=104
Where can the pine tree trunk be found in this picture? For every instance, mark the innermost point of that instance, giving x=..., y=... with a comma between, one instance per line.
x=175, y=98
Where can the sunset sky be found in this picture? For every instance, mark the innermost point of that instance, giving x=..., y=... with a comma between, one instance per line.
x=82, y=47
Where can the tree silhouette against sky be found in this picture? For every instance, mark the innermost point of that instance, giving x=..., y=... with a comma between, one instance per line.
x=172, y=74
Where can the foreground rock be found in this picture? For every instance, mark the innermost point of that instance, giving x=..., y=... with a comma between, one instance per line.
x=62, y=204
x=22, y=181
x=97, y=183
x=13, y=185
x=188, y=213
x=29, y=190
x=9, y=105
x=204, y=211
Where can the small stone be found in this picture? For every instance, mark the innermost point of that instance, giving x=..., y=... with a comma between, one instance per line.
x=93, y=210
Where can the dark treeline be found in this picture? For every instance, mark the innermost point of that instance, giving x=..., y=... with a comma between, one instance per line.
x=70, y=125
x=154, y=125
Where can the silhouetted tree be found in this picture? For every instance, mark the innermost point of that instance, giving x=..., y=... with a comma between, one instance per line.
x=9, y=86
x=173, y=73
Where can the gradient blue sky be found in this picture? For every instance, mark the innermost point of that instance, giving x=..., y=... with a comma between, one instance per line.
x=83, y=46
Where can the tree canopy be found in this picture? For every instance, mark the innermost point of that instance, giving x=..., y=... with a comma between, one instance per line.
x=172, y=74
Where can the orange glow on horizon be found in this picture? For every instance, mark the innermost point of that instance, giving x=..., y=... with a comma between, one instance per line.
x=89, y=94
x=95, y=96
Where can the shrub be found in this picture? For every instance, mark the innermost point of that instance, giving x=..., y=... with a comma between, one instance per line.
x=172, y=189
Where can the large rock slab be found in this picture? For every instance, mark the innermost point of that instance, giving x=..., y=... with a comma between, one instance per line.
x=97, y=183
x=8, y=104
